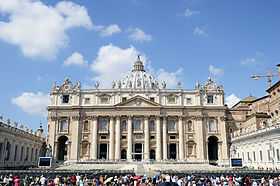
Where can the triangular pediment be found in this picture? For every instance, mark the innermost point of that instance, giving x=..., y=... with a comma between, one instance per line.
x=138, y=101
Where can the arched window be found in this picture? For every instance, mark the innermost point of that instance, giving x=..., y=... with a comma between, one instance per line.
x=86, y=126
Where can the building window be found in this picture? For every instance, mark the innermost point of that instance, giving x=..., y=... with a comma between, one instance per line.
x=104, y=100
x=277, y=154
x=124, y=125
x=8, y=151
x=152, y=99
x=210, y=99
x=123, y=137
x=171, y=125
x=254, y=156
x=63, y=125
x=27, y=154
x=171, y=99
x=268, y=155
x=87, y=100
x=152, y=137
x=189, y=101
x=103, y=124
x=103, y=137
x=15, y=154
x=136, y=123
x=21, y=153
x=212, y=125
x=124, y=99
x=65, y=98
x=172, y=137
x=189, y=126
x=261, y=157
x=152, y=125
x=86, y=126
x=1, y=149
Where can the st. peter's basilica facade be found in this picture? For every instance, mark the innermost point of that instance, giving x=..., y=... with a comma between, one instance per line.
x=138, y=119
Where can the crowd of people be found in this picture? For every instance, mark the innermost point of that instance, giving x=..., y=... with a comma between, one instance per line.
x=130, y=180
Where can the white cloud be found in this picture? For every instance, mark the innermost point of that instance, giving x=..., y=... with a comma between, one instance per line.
x=108, y=30
x=199, y=32
x=248, y=61
x=189, y=12
x=231, y=100
x=40, y=30
x=75, y=59
x=215, y=71
x=136, y=34
x=113, y=62
x=171, y=78
x=33, y=103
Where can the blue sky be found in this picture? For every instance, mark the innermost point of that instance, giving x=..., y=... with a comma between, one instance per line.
x=44, y=41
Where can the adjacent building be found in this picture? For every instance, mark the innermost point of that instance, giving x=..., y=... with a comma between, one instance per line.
x=19, y=146
x=138, y=119
x=256, y=130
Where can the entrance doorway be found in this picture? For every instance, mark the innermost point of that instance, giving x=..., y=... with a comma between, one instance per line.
x=172, y=151
x=62, y=148
x=213, y=150
x=103, y=151
x=138, y=151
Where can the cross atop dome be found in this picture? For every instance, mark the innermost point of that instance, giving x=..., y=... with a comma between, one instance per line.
x=138, y=65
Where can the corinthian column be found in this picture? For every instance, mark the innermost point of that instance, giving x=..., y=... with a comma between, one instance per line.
x=164, y=138
x=118, y=139
x=158, y=139
x=112, y=139
x=129, y=139
x=181, y=139
x=94, y=139
x=146, y=139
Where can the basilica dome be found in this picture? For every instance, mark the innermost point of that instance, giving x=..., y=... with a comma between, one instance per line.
x=138, y=78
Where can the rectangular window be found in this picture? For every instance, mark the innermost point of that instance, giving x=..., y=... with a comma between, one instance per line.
x=210, y=99
x=63, y=126
x=189, y=101
x=103, y=124
x=171, y=99
x=123, y=137
x=87, y=100
x=261, y=157
x=124, y=125
x=65, y=98
x=172, y=137
x=152, y=99
x=171, y=125
x=103, y=137
x=152, y=125
x=212, y=125
x=123, y=99
x=136, y=123
x=104, y=100
x=152, y=137
x=86, y=126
